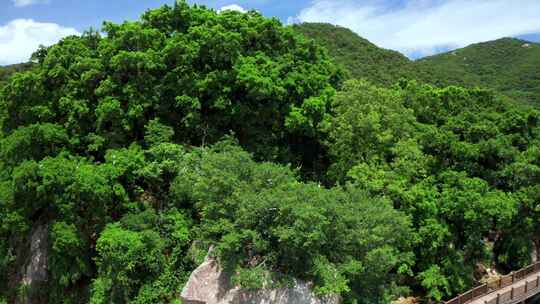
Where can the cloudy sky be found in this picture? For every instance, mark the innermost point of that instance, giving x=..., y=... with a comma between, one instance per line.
x=414, y=27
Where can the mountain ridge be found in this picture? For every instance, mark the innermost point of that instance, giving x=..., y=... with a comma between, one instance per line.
x=506, y=65
x=362, y=58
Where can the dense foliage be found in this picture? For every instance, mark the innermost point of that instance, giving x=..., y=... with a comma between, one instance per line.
x=264, y=221
x=202, y=74
x=141, y=149
x=7, y=71
x=461, y=163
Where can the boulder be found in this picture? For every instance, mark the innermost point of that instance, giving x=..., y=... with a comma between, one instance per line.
x=209, y=284
x=407, y=300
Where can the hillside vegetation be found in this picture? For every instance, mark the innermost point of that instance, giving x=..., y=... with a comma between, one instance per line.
x=360, y=57
x=139, y=149
x=508, y=66
x=7, y=71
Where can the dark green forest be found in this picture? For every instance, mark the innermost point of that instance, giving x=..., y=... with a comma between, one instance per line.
x=142, y=146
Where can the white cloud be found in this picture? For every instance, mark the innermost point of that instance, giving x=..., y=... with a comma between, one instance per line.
x=423, y=27
x=21, y=37
x=22, y=3
x=232, y=7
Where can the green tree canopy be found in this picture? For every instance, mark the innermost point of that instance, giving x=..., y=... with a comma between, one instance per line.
x=200, y=73
x=450, y=158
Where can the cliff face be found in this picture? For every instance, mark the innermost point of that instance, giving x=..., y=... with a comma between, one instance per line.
x=34, y=274
x=208, y=284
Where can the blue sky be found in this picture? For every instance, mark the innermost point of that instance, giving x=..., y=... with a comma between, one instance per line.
x=81, y=14
x=414, y=27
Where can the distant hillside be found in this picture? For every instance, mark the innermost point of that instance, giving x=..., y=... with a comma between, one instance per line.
x=7, y=71
x=361, y=57
x=510, y=66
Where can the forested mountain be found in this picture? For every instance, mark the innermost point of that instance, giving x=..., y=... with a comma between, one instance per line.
x=127, y=155
x=360, y=57
x=509, y=66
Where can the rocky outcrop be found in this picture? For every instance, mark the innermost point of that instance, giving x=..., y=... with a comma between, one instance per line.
x=486, y=273
x=534, y=253
x=35, y=274
x=209, y=284
x=407, y=300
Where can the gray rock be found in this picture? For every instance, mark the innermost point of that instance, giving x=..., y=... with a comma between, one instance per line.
x=209, y=284
x=35, y=273
x=534, y=251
